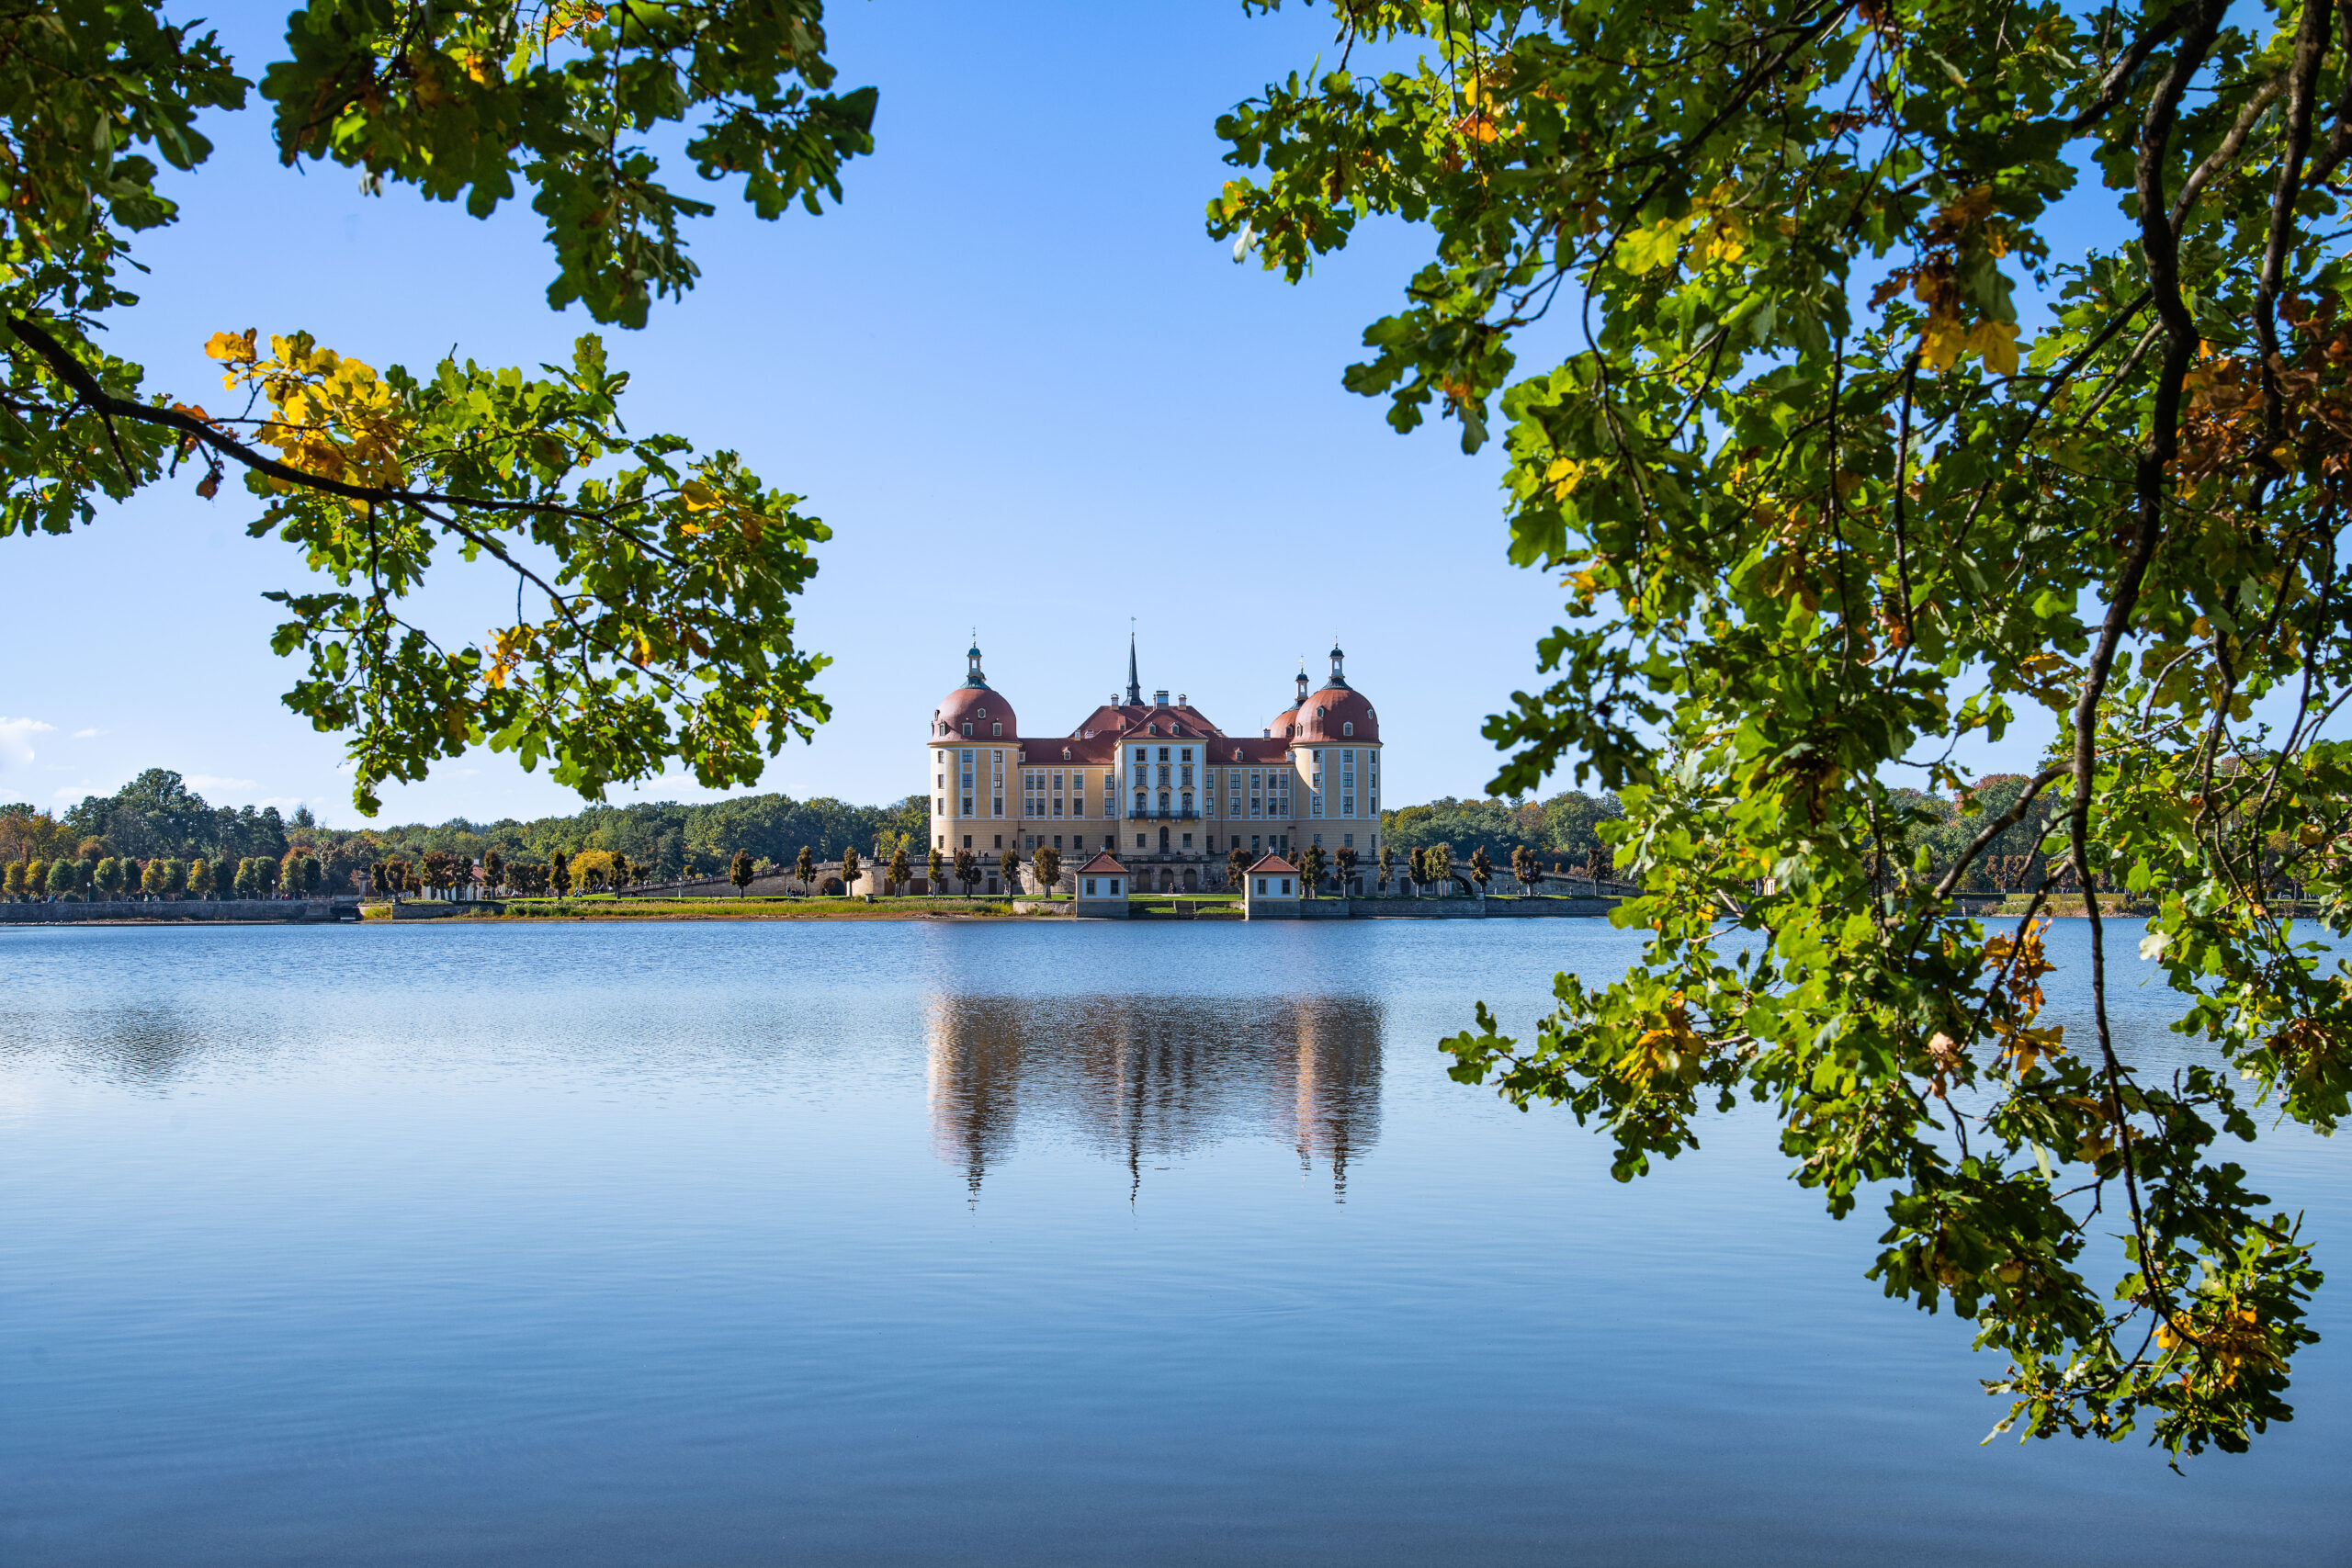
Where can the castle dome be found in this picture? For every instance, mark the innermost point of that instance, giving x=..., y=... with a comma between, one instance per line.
x=1328, y=716
x=976, y=704
x=1338, y=712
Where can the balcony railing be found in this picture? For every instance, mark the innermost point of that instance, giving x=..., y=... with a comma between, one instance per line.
x=1166, y=814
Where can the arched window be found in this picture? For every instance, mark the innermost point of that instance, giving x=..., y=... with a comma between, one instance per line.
x=1318, y=712
x=1065, y=753
x=996, y=729
x=968, y=727
x=1348, y=727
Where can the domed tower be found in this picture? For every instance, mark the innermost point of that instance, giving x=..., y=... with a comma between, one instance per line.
x=975, y=742
x=1286, y=724
x=1336, y=753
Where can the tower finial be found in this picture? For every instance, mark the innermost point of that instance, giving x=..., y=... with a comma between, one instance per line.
x=1135, y=684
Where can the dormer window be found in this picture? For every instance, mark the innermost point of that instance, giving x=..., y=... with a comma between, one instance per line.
x=1318, y=712
x=982, y=712
x=996, y=729
x=1065, y=753
x=968, y=727
x=1348, y=727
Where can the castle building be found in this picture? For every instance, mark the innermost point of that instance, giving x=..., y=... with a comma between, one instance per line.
x=1156, y=783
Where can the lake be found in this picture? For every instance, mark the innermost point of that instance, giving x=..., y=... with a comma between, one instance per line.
x=974, y=1243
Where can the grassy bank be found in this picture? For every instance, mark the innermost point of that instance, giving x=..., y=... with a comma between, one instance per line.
x=604, y=907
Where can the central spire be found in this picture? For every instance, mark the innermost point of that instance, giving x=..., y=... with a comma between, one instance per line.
x=1134, y=686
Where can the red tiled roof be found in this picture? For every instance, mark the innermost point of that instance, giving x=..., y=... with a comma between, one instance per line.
x=1273, y=865
x=1320, y=717
x=1101, y=751
x=1102, y=864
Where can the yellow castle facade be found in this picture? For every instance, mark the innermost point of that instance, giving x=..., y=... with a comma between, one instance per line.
x=1156, y=783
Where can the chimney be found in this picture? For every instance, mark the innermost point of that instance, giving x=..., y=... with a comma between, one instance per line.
x=1160, y=699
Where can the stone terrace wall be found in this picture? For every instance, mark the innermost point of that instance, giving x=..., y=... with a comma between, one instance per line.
x=273, y=909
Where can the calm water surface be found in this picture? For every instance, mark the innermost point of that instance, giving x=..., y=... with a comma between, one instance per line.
x=917, y=1244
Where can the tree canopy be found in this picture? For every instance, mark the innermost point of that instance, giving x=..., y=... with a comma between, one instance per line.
x=654, y=582
x=1850, y=459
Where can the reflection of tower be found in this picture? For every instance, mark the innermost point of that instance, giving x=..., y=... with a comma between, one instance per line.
x=1142, y=1079
x=1334, y=1098
x=975, y=1082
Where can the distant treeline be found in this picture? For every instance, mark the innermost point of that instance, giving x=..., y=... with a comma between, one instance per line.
x=1560, y=832
x=156, y=816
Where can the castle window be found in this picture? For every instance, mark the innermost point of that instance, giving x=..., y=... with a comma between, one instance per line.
x=1348, y=727
x=996, y=729
x=968, y=727
x=981, y=712
x=1163, y=754
x=1065, y=753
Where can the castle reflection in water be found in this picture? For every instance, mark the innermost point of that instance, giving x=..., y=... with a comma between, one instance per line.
x=1140, y=1078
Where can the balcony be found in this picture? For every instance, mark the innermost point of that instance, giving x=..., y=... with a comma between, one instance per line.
x=1169, y=815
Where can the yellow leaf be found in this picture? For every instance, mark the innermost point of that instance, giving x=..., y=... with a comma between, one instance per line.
x=1997, y=344
x=699, y=497
x=1648, y=249
x=1943, y=340
x=232, y=345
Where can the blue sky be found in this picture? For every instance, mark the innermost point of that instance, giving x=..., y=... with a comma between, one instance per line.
x=1012, y=344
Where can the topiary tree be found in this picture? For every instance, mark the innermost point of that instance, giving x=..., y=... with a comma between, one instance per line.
x=901, y=871
x=1419, y=869
x=936, y=866
x=560, y=874
x=1481, y=870
x=1048, y=863
x=967, y=870
x=803, y=866
x=1310, y=868
x=1440, y=863
x=36, y=876
x=1008, y=865
x=61, y=878
x=1347, y=859
x=313, y=876
x=156, y=876
x=494, y=872
x=12, y=879
x=176, y=878
x=851, y=867
x=1236, y=868
x=109, y=877
x=199, y=877
x=739, y=871
x=1388, y=864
